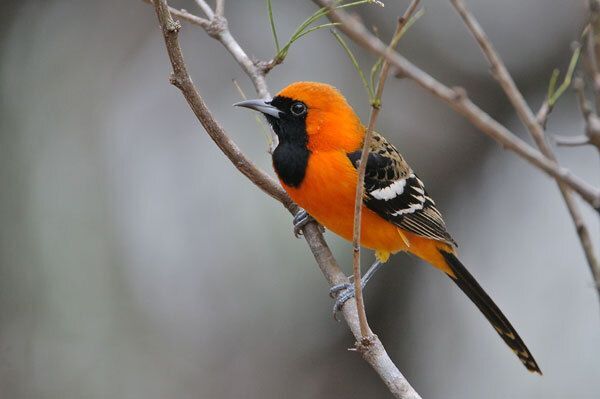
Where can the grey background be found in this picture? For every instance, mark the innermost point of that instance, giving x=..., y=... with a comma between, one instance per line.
x=136, y=262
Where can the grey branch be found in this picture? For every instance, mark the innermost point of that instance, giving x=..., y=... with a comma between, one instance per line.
x=220, y=7
x=203, y=5
x=592, y=121
x=592, y=48
x=374, y=353
x=358, y=199
x=457, y=99
x=531, y=122
x=216, y=27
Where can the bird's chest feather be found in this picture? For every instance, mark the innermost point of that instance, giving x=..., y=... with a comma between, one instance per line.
x=327, y=188
x=327, y=192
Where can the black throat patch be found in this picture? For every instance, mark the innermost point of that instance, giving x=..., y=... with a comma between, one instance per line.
x=290, y=158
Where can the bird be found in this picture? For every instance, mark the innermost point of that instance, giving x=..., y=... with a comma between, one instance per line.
x=320, y=141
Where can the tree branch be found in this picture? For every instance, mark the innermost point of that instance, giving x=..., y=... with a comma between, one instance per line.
x=358, y=199
x=375, y=353
x=203, y=5
x=501, y=74
x=592, y=122
x=457, y=99
x=592, y=48
x=217, y=28
x=220, y=7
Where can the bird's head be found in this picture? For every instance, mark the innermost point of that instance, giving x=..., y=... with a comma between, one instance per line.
x=314, y=114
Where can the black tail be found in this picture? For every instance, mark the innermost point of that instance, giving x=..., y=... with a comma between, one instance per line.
x=471, y=287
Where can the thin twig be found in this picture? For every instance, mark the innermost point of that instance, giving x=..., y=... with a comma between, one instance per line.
x=543, y=113
x=555, y=93
x=358, y=200
x=205, y=8
x=220, y=8
x=457, y=99
x=218, y=29
x=592, y=121
x=272, y=24
x=592, y=47
x=186, y=16
x=526, y=116
x=375, y=353
x=591, y=53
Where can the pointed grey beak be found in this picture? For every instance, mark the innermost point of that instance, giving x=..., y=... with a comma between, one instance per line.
x=260, y=106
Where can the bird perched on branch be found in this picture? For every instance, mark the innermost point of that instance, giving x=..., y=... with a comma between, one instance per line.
x=316, y=160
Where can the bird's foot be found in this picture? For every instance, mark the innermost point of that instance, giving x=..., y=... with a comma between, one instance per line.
x=342, y=293
x=301, y=219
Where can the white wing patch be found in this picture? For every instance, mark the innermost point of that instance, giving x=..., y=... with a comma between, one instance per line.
x=390, y=192
x=412, y=208
x=398, y=188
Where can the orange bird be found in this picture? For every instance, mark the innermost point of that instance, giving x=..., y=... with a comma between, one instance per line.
x=316, y=160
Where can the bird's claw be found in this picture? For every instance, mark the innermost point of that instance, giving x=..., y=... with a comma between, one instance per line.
x=342, y=293
x=301, y=219
x=334, y=290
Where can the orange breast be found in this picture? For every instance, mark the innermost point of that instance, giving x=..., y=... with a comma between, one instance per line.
x=327, y=193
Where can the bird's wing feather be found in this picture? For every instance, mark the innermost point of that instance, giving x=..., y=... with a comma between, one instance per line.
x=395, y=193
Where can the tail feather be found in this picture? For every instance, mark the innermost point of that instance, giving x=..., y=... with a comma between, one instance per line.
x=486, y=305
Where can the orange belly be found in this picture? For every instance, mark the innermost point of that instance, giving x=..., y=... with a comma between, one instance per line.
x=327, y=193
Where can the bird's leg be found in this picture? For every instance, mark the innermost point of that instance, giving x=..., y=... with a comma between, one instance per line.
x=301, y=219
x=343, y=292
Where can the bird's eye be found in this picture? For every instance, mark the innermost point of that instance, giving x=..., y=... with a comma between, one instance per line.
x=298, y=108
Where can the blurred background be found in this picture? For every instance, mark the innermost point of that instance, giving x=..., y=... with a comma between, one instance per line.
x=136, y=262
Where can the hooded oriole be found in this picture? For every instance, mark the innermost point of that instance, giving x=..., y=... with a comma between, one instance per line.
x=316, y=160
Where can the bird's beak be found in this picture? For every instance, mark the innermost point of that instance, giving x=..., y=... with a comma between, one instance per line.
x=260, y=106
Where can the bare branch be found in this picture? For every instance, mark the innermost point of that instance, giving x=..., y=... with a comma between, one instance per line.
x=374, y=353
x=186, y=16
x=592, y=121
x=205, y=8
x=220, y=8
x=358, y=199
x=592, y=48
x=457, y=99
x=526, y=116
x=182, y=80
x=543, y=113
x=218, y=29
x=555, y=93
x=584, y=105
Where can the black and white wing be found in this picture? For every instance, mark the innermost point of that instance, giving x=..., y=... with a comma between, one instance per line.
x=395, y=193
